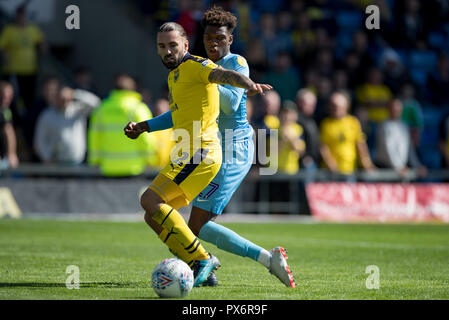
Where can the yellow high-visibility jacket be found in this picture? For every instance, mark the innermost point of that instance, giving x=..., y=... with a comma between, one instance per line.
x=109, y=147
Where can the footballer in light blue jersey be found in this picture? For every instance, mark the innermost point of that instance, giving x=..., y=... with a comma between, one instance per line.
x=237, y=142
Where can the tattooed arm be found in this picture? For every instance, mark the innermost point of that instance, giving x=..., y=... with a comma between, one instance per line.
x=236, y=79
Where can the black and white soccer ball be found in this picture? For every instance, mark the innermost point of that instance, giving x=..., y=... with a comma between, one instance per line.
x=172, y=278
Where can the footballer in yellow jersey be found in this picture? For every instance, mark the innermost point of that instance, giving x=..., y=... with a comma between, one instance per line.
x=194, y=104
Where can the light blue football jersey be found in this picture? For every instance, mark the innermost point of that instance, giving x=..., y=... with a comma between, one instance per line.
x=234, y=116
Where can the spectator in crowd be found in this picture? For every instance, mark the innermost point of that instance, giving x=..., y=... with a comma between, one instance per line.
x=19, y=42
x=284, y=27
x=324, y=91
x=108, y=147
x=83, y=79
x=147, y=97
x=311, y=79
x=342, y=140
x=361, y=48
x=438, y=83
x=60, y=135
x=271, y=104
x=291, y=141
x=395, y=74
x=48, y=98
x=323, y=41
x=257, y=59
x=324, y=63
x=8, y=143
x=283, y=77
x=412, y=114
x=164, y=138
x=306, y=103
x=443, y=141
x=373, y=96
x=321, y=13
x=410, y=24
x=340, y=81
x=268, y=120
x=303, y=40
x=394, y=147
x=268, y=36
x=352, y=65
x=250, y=110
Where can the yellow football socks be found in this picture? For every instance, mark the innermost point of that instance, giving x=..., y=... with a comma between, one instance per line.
x=177, y=229
x=175, y=247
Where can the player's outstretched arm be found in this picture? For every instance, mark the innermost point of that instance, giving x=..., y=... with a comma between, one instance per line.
x=235, y=79
x=161, y=122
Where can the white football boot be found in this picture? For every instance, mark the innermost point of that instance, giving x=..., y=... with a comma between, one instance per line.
x=279, y=267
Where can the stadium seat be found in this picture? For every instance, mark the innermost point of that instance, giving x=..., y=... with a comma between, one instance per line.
x=428, y=150
x=430, y=157
x=436, y=39
x=403, y=54
x=418, y=76
x=422, y=60
x=349, y=20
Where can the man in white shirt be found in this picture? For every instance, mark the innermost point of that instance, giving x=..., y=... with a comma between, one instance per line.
x=60, y=135
x=394, y=149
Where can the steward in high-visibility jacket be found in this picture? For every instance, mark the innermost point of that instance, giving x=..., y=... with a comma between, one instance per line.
x=108, y=147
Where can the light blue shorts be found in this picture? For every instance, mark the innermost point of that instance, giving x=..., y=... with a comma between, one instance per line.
x=234, y=168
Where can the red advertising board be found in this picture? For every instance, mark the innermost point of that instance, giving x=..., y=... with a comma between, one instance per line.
x=379, y=202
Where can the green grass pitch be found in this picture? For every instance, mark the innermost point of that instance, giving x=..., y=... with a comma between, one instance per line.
x=328, y=260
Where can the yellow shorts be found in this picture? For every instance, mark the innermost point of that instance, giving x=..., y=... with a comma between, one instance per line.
x=179, y=183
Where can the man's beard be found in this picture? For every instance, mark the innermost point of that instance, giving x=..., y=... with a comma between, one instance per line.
x=172, y=64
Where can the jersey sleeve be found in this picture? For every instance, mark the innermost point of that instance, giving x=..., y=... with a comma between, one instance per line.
x=230, y=96
x=204, y=69
x=161, y=122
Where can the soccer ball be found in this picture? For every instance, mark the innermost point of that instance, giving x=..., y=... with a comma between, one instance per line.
x=172, y=278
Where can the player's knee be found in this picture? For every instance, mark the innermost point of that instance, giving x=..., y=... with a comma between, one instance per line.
x=150, y=202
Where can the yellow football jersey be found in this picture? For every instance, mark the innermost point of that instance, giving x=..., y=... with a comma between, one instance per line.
x=342, y=136
x=196, y=158
x=194, y=102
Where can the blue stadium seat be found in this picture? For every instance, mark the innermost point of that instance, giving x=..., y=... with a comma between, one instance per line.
x=349, y=20
x=428, y=150
x=423, y=60
x=430, y=157
x=436, y=39
x=403, y=54
x=344, y=40
x=418, y=76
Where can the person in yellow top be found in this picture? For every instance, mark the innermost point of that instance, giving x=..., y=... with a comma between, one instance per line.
x=342, y=140
x=196, y=158
x=291, y=142
x=19, y=42
x=373, y=97
x=272, y=104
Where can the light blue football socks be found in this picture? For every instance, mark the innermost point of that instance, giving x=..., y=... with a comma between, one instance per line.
x=229, y=241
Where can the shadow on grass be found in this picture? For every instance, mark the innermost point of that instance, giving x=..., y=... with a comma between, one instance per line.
x=63, y=285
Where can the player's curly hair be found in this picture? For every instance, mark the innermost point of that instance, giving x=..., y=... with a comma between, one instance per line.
x=218, y=17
